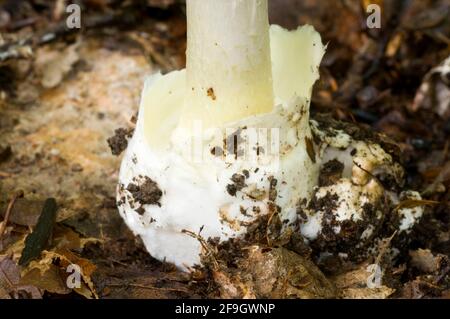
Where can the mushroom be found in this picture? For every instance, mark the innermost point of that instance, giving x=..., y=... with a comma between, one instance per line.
x=229, y=140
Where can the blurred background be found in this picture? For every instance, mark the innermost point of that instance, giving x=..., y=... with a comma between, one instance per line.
x=64, y=91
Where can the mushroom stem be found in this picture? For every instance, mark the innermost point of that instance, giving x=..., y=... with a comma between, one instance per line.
x=229, y=73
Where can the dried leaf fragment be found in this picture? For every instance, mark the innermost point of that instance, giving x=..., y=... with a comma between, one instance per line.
x=273, y=273
x=39, y=238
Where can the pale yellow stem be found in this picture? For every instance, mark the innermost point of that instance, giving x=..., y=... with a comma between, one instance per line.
x=228, y=61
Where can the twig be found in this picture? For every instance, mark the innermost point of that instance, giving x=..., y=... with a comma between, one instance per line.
x=16, y=51
x=384, y=247
x=198, y=237
x=209, y=250
x=17, y=195
x=5, y=174
x=22, y=23
x=269, y=222
x=149, y=287
x=23, y=48
x=412, y=203
x=150, y=50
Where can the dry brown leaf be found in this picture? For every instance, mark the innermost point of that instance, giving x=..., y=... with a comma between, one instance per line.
x=25, y=211
x=85, y=291
x=66, y=238
x=55, y=277
x=228, y=289
x=15, y=250
x=67, y=258
x=419, y=288
x=49, y=280
x=9, y=273
x=10, y=286
x=367, y=293
x=353, y=285
x=273, y=273
x=4, y=294
x=45, y=275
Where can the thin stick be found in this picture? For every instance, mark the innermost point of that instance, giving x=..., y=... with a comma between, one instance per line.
x=150, y=287
x=209, y=250
x=17, y=195
x=24, y=47
x=5, y=174
x=199, y=238
x=269, y=222
x=150, y=50
x=384, y=246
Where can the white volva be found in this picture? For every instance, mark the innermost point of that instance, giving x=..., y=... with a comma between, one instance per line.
x=241, y=74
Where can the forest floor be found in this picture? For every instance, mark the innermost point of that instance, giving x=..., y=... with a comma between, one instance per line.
x=63, y=94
